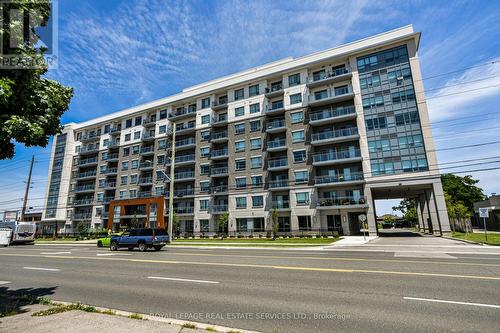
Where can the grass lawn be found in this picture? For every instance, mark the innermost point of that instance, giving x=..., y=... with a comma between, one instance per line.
x=256, y=241
x=493, y=238
x=67, y=239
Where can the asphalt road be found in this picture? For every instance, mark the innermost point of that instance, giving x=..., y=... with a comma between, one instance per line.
x=383, y=287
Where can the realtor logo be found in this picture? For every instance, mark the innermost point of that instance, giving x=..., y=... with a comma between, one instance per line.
x=28, y=38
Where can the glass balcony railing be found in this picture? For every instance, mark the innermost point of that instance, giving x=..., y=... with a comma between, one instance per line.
x=88, y=161
x=219, y=153
x=110, y=170
x=320, y=95
x=275, y=106
x=280, y=204
x=185, y=142
x=218, y=135
x=336, y=155
x=185, y=158
x=276, y=124
x=218, y=208
x=277, y=163
x=110, y=157
x=219, y=189
x=278, y=183
x=219, y=119
x=89, y=149
x=82, y=216
x=146, y=180
x=274, y=88
x=181, y=112
x=354, y=176
x=86, y=174
x=322, y=75
x=81, y=202
x=84, y=188
x=219, y=171
x=184, y=175
x=340, y=201
x=332, y=113
x=219, y=103
x=185, y=126
x=184, y=192
x=145, y=150
x=276, y=144
x=146, y=165
x=183, y=210
x=326, y=135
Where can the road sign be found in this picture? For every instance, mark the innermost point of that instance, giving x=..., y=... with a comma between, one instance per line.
x=483, y=212
x=362, y=217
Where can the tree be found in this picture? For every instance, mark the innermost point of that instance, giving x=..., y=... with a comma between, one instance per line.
x=463, y=190
x=275, y=222
x=31, y=105
x=176, y=225
x=134, y=222
x=389, y=219
x=82, y=228
x=222, y=221
x=409, y=210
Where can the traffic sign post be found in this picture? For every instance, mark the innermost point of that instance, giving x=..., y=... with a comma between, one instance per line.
x=362, y=219
x=483, y=212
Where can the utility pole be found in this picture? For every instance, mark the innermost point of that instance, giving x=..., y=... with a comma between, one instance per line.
x=171, y=191
x=28, y=183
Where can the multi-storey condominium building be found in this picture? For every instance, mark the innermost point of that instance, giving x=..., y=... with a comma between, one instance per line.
x=314, y=140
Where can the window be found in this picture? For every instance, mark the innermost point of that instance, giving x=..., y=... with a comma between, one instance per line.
x=205, y=119
x=192, y=108
x=299, y=156
x=241, y=182
x=297, y=117
x=205, y=135
x=379, y=145
x=204, y=151
x=241, y=164
x=137, y=135
x=128, y=137
x=204, y=169
x=205, y=103
x=159, y=191
x=294, y=80
x=204, y=203
x=256, y=181
x=255, y=143
x=371, y=102
x=301, y=176
x=126, y=151
x=128, y=123
x=296, y=98
x=163, y=114
x=401, y=96
x=123, y=180
x=133, y=179
x=124, y=165
x=162, y=144
x=105, y=143
x=371, y=81
x=256, y=162
x=102, y=168
x=107, y=129
x=238, y=112
x=239, y=94
x=160, y=159
x=162, y=129
x=138, y=121
x=257, y=201
x=253, y=90
x=411, y=141
x=241, y=202
x=298, y=136
x=204, y=186
x=407, y=118
x=123, y=194
x=254, y=108
x=255, y=126
x=135, y=150
x=302, y=198
x=376, y=123
x=305, y=223
x=204, y=225
x=239, y=128
x=132, y=193
x=135, y=164
x=239, y=146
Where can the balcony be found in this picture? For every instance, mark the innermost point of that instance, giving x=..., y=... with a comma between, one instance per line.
x=277, y=145
x=276, y=126
x=81, y=216
x=107, y=185
x=219, y=172
x=106, y=200
x=185, y=128
x=86, y=175
x=184, y=210
x=110, y=171
x=353, y=178
x=147, y=150
x=218, y=137
x=280, y=204
x=88, y=161
x=277, y=164
x=85, y=188
x=185, y=143
x=147, y=137
x=146, y=165
x=114, y=144
x=219, y=190
x=337, y=157
x=83, y=202
x=115, y=130
x=145, y=194
x=281, y=184
x=186, y=192
x=273, y=90
x=215, y=209
x=340, y=135
x=327, y=77
x=90, y=137
x=219, y=154
x=219, y=120
x=181, y=113
x=185, y=159
x=149, y=122
x=341, y=202
x=111, y=157
x=327, y=96
x=145, y=181
x=332, y=115
x=275, y=108
x=220, y=104
x=184, y=176
x=89, y=149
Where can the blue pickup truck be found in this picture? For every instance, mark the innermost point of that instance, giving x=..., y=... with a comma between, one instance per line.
x=141, y=238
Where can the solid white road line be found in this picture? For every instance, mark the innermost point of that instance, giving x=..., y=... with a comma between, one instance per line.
x=112, y=254
x=183, y=280
x=55, y=252
x=42, y=269
x=4, y=282
x=452, y=302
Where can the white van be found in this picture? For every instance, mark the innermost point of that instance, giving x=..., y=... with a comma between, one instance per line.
x=22, y=232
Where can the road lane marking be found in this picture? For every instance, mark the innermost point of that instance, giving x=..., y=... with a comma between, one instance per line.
x=42, y=269
x=179, y=279
x=112, y=254
x=452, y=302
x=4, y=282
x=318, y=269
x=479, y=258
x=55, y=252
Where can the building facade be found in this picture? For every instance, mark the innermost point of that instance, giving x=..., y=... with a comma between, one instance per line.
x=314, y=140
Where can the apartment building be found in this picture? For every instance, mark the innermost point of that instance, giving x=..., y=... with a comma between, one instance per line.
x=316, y=139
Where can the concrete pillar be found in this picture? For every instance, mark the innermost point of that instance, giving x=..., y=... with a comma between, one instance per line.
x=419, y=215
x=294, y=223
x=440, y=203
x=196, y=225
x=371, y=214
x=424, y=212
x=346, y=226
x=436, y=229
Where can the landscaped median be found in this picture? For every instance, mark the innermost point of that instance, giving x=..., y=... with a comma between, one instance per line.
x=478, y=237
x=255, y=242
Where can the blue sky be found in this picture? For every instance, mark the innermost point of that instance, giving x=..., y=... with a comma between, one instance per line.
x=119, y=53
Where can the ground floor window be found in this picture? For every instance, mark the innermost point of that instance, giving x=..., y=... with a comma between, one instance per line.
x=255, y=224
x=188, y=227
x=284, y=224
x=204, y=225
x=305, y=223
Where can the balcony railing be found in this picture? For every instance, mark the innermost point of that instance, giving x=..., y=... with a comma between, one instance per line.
x=277, y=163
x=184, y=192
x=84, y=188
x=219, y=171
x=219, y=189
x=184, y=175
x=115, y=130
x=280, y=204
x=332, y=113
x=86, y=174
x=185, y=126
x=185, y=158
x=88, y=161
x=113, y=144
x=82, y=202
x=182, y=112
x=328, y=74
x=89, y=149
x=184, y=210
x=218, y=208
x=340, y=201
x=145, y=150
x=108, y=157
x=185, y=142
x=82, y=216
x=146, y=165
x=278, y=183
x=276, y=144
x=218, y=135
x=219, y=153
x=110, y=170
x=148, y=136
x=336, y=155
x=107, y=185
x=325, y=94
x=326, y=135
x=275, y=106
x=220, y=103
x=146, y=180
x=148, y=121
x=354, y=176
x=88, y=137
x=274, y=88
x=222, y=118
x=276, y=124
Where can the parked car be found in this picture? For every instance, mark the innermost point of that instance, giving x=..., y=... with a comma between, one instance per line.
x=22, y=232
x=143, y=239
x=106, y=241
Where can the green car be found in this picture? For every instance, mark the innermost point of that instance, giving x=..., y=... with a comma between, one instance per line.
x=105, y=241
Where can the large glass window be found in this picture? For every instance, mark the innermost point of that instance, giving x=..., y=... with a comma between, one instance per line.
x=298, y=136
x=257, y=201
x=239, y=128
x=205, y=119
x=301, y=176
x=297, y=117
x=240, y=164
x=239, y=94
x=255, y=126
x=239, y=146
x=241, y=182
x=256, y=162
x=205, y=103
x=296, y=98
x=294, y=80
x=255, y=143
x=254, y=108
x=299, y=156
x=302, y=198
x=241, y=202
x=240, y=111
x=257, y=181
x=253, y=90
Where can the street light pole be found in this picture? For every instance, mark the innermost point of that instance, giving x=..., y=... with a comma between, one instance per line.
x=171, y=191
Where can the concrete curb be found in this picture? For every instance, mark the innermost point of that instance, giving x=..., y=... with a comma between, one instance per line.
x=464, y=240
x=171, y=321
